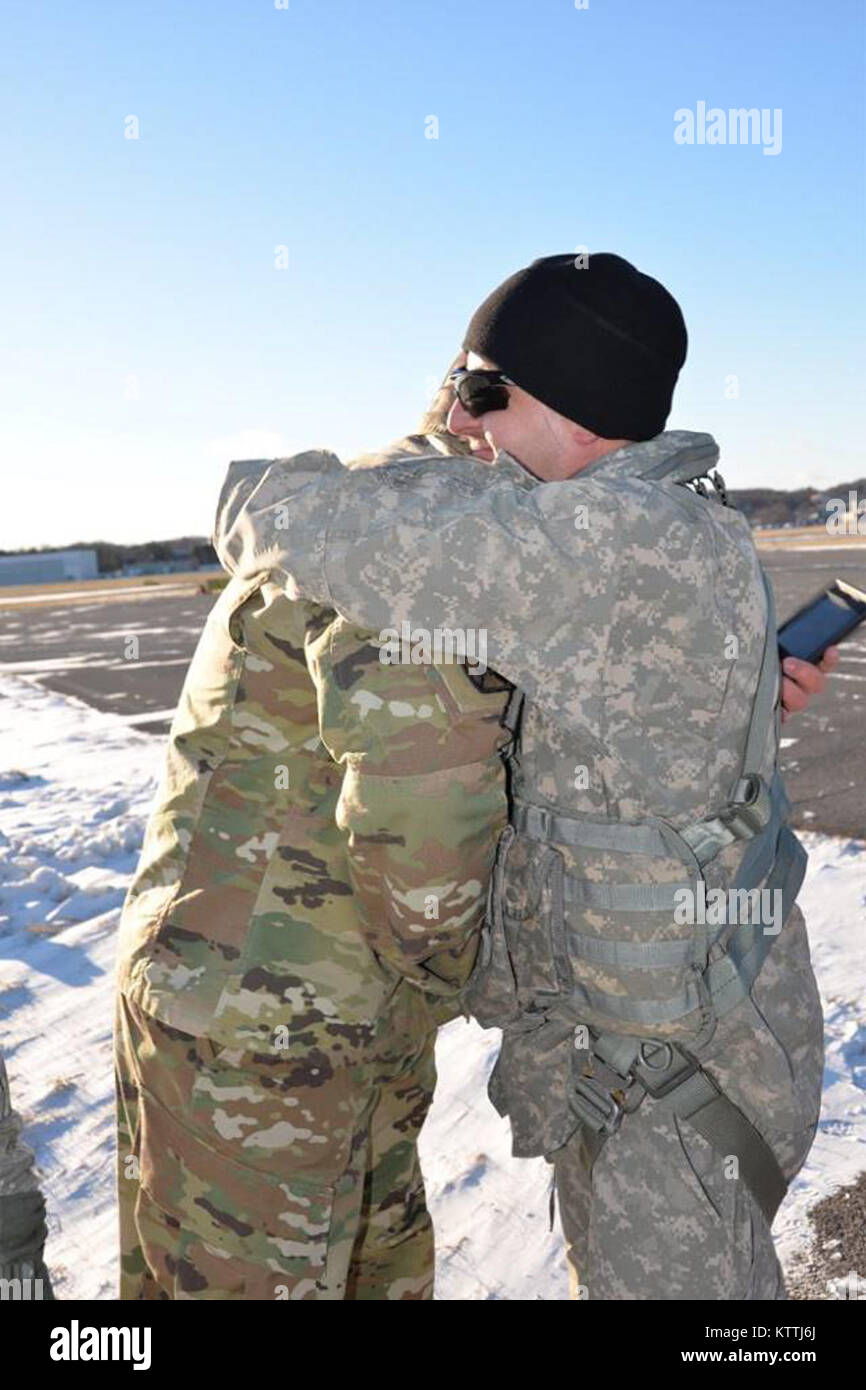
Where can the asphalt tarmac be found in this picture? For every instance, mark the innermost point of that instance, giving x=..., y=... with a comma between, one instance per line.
x=86, y=649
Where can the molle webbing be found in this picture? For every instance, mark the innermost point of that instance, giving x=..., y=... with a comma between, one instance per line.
x=775, y=860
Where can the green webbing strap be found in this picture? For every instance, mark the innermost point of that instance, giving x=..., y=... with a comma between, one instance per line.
x=758, y=858
x=708, y=838
x=680, y=1083
x=730, y=978
x=704, y=838
x=512, y=711
x=764, y=704
x=624, y=897
x=541, y=824
x=617, y=1051
x=688, y=463
x=699, y=1101
x=751, y=806
x=646, y=955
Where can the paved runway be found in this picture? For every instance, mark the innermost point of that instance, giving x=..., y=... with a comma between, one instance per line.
x=80, y=649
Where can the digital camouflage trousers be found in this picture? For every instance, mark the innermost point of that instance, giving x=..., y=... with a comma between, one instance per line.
x=660, y=1214
x=259, y=1176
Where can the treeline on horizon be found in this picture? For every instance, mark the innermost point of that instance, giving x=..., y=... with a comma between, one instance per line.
x=110, y=556
x=761, y=506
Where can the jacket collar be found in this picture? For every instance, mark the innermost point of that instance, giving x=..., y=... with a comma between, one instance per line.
x=674, y=454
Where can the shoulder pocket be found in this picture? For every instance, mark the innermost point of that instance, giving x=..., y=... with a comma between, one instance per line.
x=473, y=693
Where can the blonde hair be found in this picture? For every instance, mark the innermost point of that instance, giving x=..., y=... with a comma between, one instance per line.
x=433, y=421
x=431, y=425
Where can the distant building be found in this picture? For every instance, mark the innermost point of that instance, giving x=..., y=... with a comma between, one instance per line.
x=48, y=567
x=164, y=567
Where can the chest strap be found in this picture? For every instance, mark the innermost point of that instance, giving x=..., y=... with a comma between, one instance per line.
x=705, y=838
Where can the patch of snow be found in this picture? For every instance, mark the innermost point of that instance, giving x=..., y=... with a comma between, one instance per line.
x=75, y=789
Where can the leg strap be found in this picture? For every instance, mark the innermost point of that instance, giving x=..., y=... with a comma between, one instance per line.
x=695, y=1097
x=668, y=1073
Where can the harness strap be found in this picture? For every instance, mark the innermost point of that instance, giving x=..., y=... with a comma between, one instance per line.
x=763, y=705
x=624, y=897
x=645, y=955
x=511, y=713
x=705, y=838
x=758, y=857
x=685, y=464
x=708, y=838
x=723, y=1124
x=671, y=1075
x=542, y=824
x=730, y=978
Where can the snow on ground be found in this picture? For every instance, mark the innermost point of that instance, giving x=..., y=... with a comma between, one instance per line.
x=75, y=788
x=833, y=900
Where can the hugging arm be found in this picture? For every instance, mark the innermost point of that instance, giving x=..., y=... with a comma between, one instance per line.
x=422, y=803
x=444, y=543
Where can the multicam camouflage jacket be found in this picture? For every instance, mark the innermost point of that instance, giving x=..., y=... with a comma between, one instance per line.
x=252, y=909
x=422, y=799
x=633, y=614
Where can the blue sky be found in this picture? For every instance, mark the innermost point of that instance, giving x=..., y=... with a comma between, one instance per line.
x=149, y=337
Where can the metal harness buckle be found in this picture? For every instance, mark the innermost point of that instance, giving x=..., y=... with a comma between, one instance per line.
x=600, y=1104
x=660, y=1078
x=750, y=807
x=594, y=1104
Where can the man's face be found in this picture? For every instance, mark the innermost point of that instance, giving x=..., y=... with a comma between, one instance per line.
x=530, y=431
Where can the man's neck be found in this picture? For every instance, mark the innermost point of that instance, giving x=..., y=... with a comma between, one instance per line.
x=601, y=448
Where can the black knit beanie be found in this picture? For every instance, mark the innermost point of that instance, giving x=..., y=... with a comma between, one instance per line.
x=602, y=345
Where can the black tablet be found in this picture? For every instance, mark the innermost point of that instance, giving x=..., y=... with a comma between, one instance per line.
x=823, y=622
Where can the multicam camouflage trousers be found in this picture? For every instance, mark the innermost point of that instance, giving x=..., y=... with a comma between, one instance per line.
x=253, y=1176
x=658, y=1214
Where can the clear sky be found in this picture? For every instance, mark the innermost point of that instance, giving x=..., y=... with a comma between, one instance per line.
x=149, y=335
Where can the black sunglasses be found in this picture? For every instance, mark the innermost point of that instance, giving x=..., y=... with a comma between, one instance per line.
x=480, y=390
